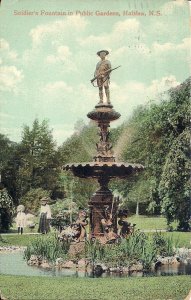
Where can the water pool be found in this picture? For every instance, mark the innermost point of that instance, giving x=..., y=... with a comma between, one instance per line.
x=14, y=264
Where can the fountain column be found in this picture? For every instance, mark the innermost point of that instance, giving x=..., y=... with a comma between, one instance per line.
x=103, y=114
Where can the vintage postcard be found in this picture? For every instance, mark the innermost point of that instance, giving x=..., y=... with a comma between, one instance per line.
x=94, y=158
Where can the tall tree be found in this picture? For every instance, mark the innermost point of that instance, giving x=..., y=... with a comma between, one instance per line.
x=159, y=141
x=6, y=209
x=39, y=162
x=6, y=149
x=174, y=186
x=34, y=164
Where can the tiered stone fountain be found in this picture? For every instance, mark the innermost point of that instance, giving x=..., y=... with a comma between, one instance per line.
x=103, y=167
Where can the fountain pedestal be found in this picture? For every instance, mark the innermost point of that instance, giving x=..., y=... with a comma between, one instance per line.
x=102, y=199
x=103, y=168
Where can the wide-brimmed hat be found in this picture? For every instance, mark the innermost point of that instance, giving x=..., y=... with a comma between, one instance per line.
x=106, y=52
x=20, y=208
x=45, y=199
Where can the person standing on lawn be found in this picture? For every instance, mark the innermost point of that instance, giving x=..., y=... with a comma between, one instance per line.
x=45, y=216
x=20, y=219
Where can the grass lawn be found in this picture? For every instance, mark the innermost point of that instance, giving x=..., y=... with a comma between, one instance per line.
x=16, y=240
x=145, y=222
x=144, y=288
x=34, y=220
x=181, y=239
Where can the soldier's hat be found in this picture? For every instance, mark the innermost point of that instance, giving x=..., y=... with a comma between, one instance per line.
x=106, y=52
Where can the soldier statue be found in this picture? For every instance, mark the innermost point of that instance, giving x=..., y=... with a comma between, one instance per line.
x=102, y=76
x=102, y=72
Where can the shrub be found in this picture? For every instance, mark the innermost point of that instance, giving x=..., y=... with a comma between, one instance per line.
x=31, y=200
x=164, y=244
x=48, y=247
x=6, y=209
x=63, y=213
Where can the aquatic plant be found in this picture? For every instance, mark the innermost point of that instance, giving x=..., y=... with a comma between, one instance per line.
x=48, y=247
x=138, y=247
x=164, y=245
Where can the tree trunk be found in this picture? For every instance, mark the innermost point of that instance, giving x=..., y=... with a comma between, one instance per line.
x=137, y=209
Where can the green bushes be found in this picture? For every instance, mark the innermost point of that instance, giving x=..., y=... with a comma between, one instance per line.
x=164, y=244
x=31, y=200
x=6, y=209
x=48, y=247
x=137, y=248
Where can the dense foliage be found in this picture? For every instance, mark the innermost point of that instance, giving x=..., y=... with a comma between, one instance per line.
x=33, y=166
x=157, y=135
x=63, y=213
x=32, y=199
x=137, y=248
x=48, y=247
x=6, y=209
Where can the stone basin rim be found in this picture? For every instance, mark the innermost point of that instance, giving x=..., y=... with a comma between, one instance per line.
x=100, y=169
x=104, y=164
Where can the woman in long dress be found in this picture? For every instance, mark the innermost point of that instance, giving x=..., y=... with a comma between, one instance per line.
x=45, y=216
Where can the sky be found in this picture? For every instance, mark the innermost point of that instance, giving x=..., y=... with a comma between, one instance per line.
x=47, y=61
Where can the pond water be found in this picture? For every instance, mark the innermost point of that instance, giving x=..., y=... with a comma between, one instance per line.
x=14, y=264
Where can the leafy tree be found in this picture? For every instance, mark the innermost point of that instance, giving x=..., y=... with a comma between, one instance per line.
x=174, y=186
x=80, y=146
x=6, y=209
x=10, y=175
x=6, y=149
x=63, y=213
x=32, y=199
x=39, y=163
x=78, y=190
x=35, y=163
x=159, y=141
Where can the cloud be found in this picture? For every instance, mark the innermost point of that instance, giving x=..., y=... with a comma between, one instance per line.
x=70, y=24
x=10, y=77
x=6, y=52
x=123, y=31
x=127, y=26
x=53, y=42
x=13, y=133
x=4, y=118
x=56, y=88
x=160, y=86
x=160, y=48
x=137, y=50
x=61, y=132
x=60, y=101
x=126, y=97
x=63, y=55
x=185, y=45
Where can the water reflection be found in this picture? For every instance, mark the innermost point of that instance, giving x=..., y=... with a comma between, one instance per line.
x=14, y=264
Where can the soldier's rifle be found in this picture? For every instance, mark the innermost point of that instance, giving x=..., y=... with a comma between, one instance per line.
x=104, y=73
